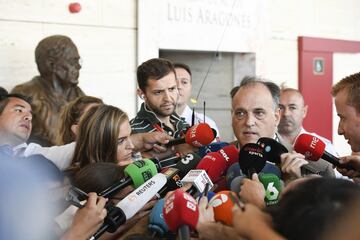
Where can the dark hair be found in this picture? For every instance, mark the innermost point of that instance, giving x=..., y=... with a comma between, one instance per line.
x=352, y=85
x=252, y=80
x=154, y=68
x=97, y=177
x=3, y=92
x=307, y=211
x=4, y=100
x=183, y=66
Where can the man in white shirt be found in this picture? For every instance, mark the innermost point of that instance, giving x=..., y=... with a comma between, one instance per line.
x=184, y=81
x=293, y=112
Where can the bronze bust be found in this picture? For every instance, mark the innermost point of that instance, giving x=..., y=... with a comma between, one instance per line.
x=58, y=62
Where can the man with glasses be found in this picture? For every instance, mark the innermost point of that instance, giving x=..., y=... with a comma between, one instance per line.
x=58, y=62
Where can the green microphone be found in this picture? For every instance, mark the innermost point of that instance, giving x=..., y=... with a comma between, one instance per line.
x=272, y=187
x=136, y=174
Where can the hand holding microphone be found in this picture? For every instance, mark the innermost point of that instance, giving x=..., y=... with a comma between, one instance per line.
x=252, y=191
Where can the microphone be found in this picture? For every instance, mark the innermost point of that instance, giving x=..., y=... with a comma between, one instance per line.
x=236, y=184
x=136, y=174
x=314, y=148
x=187, y=163
x=222, y=206
x=251, y=159
x=214, y=164
x=232, y=172
x=181, y=213
x=272, y=149
x=212, y=147
x=231, y=155
x=198, y=135
x=157, y=225
x=271, y=168
x=272, y=187
x=198, y=179
x=131, y=204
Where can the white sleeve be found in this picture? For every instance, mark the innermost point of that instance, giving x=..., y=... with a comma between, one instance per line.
x=61, y=156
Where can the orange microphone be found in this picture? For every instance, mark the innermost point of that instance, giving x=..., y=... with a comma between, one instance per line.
x=222, y=205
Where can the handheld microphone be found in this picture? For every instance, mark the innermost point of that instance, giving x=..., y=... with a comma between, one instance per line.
x=181, y=213
x=272, y=149
x=198, y=135
x=157, y=224
x=314, y=148
x=272, y=187
x=214, y=164
x=222, y=206
x=212, y=147
x=131, y=204
x=187, y=163
x=198, y=179
x=251, y=159
x=236, y=184
x=231, y=155
x=232, y=172
x=136, y=174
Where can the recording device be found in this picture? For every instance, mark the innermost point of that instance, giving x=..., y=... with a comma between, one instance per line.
x=157, y=225
x=214, y=164
x=314, y=148
x=272, y=187
x=181, y=213
x=131, y=204
x=198, y=179
x=198, y=135
x=251, y=159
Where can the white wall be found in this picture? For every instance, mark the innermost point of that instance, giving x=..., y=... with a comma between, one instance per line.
x=104, y=32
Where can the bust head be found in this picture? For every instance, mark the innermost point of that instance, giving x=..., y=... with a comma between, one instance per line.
x=57, y=58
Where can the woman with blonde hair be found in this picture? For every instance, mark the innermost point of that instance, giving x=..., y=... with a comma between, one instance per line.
x=103, y=136
x=70, y=117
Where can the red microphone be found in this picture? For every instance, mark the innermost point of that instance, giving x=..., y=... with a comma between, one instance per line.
x=181, y=213
x=231, y=154
x=198, y=135
x=313, y=149
x=222, y=205
x=214, y=164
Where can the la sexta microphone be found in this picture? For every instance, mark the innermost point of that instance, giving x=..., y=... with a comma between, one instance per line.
x=181, y=213
x=131, y=204
x=313, y=149
x=198, y=135
x=222, y=206
x=157, y=225
x=136, y=174
x=272, y=187
x=251, y=159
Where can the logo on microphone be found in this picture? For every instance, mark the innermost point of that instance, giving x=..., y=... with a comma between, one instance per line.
x=314, y=141
x=224, y=155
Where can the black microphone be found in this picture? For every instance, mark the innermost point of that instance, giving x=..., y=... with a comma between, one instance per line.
x=251, y=159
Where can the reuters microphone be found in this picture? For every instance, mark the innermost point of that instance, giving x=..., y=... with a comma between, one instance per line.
x=313, y=149
x=181, y=213
x=131, y=204
x=198, y=135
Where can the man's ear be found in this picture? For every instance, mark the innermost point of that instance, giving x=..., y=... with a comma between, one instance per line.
x=140, y=93
x=305, y=111
x=50, y=64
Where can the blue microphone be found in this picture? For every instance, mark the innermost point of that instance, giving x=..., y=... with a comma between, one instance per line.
x=157, y=225
x=213, y=147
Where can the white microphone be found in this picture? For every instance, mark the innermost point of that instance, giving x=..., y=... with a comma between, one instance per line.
x=198, y=179
x=133, y=202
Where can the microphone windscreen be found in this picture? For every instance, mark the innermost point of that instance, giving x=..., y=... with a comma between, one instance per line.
x=271, y=168
x=212, y=147
x=140, y=171
x=236, y=184
x=199, y=135
x=187, y=163
x=214, y=165
x=272, y=149
x=310, y=146
x=230, y=154
x=222, y=205
x=157, y=223
x=232, y=172
x=180, y=209
x=272, y=186
x=251, y=158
